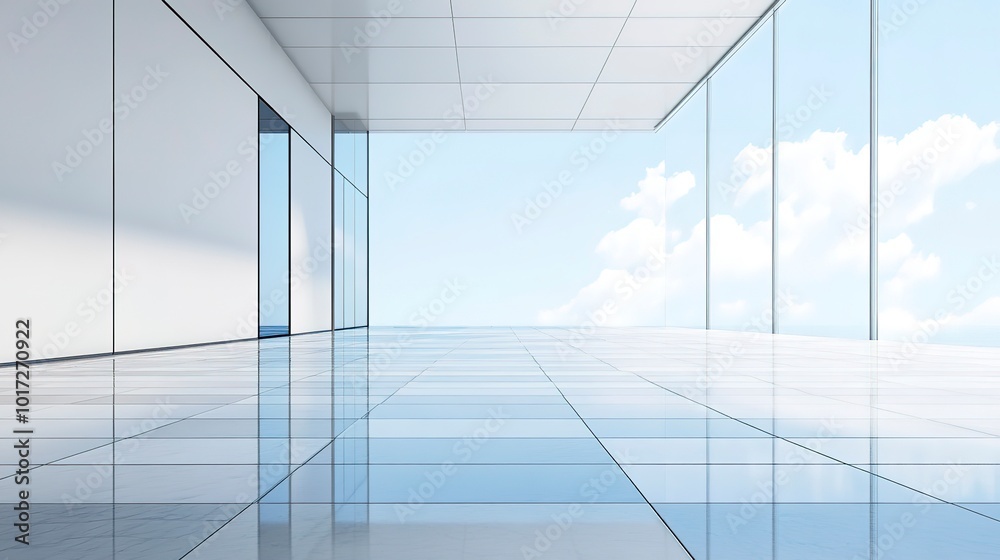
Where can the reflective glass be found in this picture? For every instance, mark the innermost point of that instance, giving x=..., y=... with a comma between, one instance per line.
x=823, y=160
x=685, y=208
x=739, y=155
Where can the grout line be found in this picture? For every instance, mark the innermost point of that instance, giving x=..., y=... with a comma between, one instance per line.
x=601, y=443
x=783, y=438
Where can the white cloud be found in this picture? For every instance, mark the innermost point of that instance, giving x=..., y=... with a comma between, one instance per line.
x=822, y=220
x=589, y=299
x=740, y=251
x=733, y=309
x=915, y=171
x=634, y=284
x=895, y=323
x=986, y=313
x=617, y=298
x=657, y=192
x=915, y=268
x=633, y=243
x=937, y=154
x=751, y=173
x=893, y=251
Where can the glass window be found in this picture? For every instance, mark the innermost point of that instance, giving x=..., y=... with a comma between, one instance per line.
x=740, y=121
x=338, y=250
x=939, y=167
x=350, y=254
x=361, y=261
x=823, y=159
x=343, y=151
x=361, y=162
x=311, y=214
x=274, y=223
x=685, y=214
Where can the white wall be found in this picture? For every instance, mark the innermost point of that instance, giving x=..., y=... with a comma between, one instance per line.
x=185, y=187
x=238, y=35
x=55, y=204
x=312, y=240
x=130, y=170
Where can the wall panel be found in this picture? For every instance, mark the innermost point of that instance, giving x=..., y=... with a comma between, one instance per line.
x=238, y=35
x=56, y=192
x=185, y=187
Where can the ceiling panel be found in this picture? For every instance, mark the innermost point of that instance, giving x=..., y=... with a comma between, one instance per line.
x=553, y=10
x=350, y=33
x=616, y=124
x=351, y=100
x=632, y=101
x=394, y=101
x=505, y=65
x=528, y=101
x=658, y=64
x=683, y=32
x=350, y=8
x=532, y=64
x=416, y=101
x=519, y=125
x=537, y=32
x=700, y=8
x=412, y=125
x=377, y=65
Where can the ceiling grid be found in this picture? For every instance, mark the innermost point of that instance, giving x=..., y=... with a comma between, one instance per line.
x=399, y=65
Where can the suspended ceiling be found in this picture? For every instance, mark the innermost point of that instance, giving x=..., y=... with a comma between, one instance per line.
x=404, y=65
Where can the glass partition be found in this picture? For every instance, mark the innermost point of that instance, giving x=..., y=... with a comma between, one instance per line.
x=350, y=255
x=338, y=249
x=274, y=193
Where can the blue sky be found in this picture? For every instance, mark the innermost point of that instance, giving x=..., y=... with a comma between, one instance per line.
x=452, y=219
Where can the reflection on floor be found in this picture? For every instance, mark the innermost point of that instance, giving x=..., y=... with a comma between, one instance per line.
x=513, y=443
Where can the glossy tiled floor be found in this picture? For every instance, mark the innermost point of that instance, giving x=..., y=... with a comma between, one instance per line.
x=514, y=443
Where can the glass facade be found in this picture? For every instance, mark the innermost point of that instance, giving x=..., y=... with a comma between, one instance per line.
x=350, y=223
x=311, y=237
x=311, y=214
x=274, y=217
x=937, y=174
x=823, y=167
x=801, y=236
x=739, y=197
x=686, y=136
